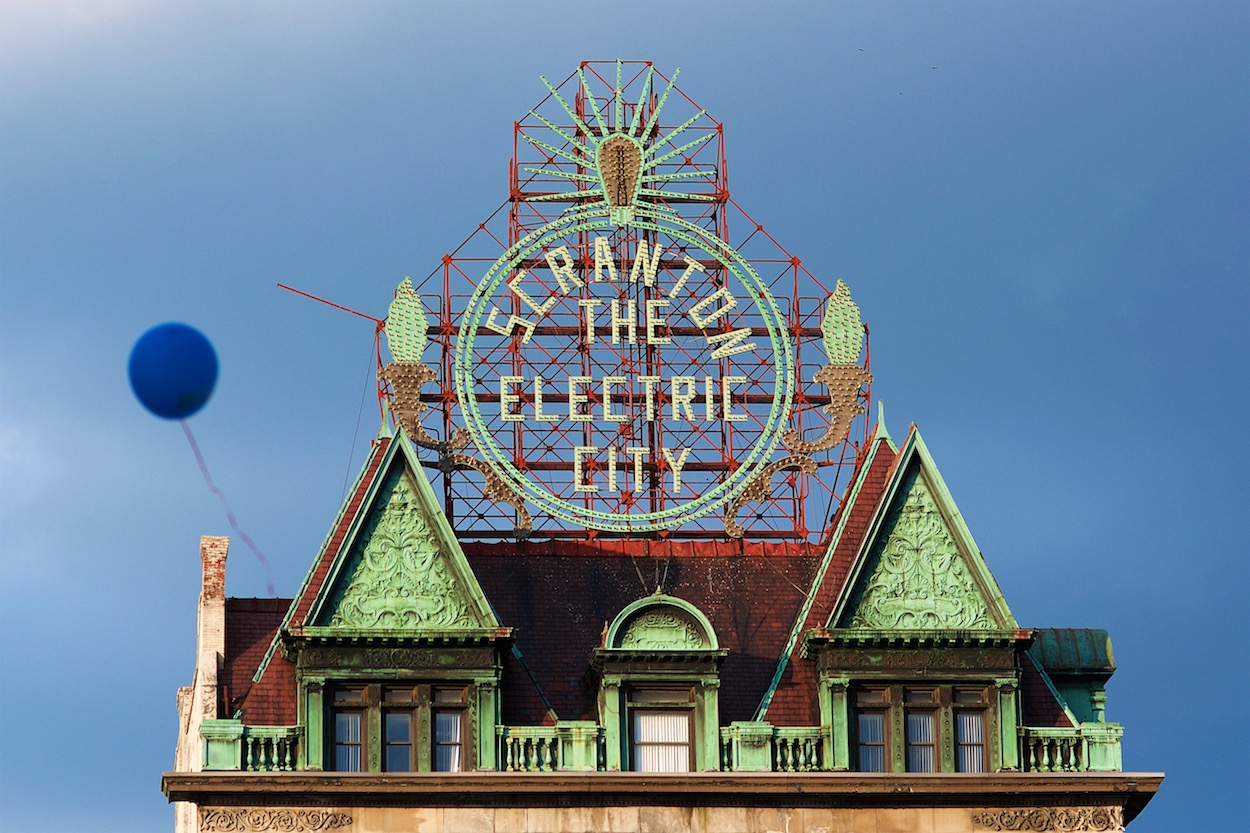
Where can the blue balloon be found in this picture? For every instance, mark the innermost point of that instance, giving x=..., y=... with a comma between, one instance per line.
x=173, y=368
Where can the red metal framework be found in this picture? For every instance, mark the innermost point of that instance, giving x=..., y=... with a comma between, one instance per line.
x=799, y=506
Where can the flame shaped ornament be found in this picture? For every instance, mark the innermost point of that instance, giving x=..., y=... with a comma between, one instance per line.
x=841, y=328
x=406, y=325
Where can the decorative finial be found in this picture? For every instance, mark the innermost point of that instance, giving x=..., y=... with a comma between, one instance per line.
x=406, y=325
x=841, y=328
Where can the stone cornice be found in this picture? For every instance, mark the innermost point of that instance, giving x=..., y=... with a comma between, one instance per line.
x=1130, y=790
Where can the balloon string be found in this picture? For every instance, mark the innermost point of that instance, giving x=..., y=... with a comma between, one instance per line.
x=234, y=524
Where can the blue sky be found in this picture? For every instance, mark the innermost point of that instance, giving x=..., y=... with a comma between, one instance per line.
x=1049, y=236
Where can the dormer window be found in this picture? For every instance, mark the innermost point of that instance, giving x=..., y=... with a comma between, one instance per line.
x=659, y=679
x=661, y=725
x=399, y=728
x=943, y=728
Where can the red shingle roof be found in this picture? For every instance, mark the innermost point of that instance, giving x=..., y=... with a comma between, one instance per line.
x=250, y=628
x=1038, y=705
x=559, y=595
x=795, y=703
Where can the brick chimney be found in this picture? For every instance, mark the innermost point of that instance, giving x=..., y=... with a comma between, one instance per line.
x=201, y=700
x=213, y=551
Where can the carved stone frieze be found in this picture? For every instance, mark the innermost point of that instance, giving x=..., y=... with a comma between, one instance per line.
x=867, y=659
x=373, y=658
x=1051, y=818
x=920, y=579
x=400, y=579
x=247, y=820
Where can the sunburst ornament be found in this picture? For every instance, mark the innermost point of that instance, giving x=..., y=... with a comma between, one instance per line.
x=626, y=162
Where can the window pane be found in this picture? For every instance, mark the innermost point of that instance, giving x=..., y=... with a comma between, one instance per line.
x=970, y=742
x=397, y=731
x=661, y=741
x=399, y=758
x=872, y=742
x=920, y=742
x=347, y=741
x=447, y=742
x=447, y=727
x=347, y=727
x=398, y=727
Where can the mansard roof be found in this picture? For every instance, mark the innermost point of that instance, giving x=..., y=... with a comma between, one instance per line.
x=559, y=597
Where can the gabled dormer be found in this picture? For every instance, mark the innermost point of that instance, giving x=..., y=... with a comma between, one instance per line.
x=397, y=650
x=919, y=660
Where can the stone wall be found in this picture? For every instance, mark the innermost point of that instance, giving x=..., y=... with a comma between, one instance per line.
x=658, y=819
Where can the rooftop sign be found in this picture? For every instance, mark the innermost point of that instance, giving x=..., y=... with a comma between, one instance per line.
x=620, y=366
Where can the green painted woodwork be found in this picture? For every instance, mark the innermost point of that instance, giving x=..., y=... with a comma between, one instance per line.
x=837, y=711
x=222, y=744
x=398, y=577
x=1008, y=723
x=660, y=621
x=919, y=567
x=919, y=580
x=406, y=325
x=579, y=744
x=842, y=331
x=312, y=700
x=750, y=746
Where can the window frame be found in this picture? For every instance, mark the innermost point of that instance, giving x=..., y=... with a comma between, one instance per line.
x=899, y=702
x=637, y=701
x=419, y=702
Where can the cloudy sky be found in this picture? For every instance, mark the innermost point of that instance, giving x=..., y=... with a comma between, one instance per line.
x=1048, y=234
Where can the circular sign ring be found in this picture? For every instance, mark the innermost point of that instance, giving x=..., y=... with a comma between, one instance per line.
x=597, y=219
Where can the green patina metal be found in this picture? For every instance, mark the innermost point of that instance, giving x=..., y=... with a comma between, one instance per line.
x=398, y=576
x=919, y=567
x=598, y=218
x=661, y=622
x=406, y=325
x=401, y=566
x=841, y=329
x=920, y=579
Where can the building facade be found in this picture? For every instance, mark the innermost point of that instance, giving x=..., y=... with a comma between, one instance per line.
x=575, y=588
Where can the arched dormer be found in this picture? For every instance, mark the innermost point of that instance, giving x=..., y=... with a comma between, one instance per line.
x=661, y=622
x=659, y=676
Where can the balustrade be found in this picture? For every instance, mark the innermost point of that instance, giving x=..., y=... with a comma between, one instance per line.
x=797, y=749
x=528, y=748
x=270, y=748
